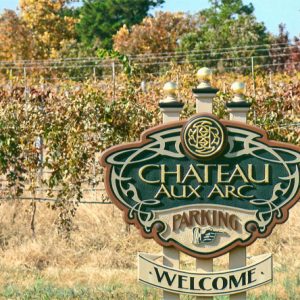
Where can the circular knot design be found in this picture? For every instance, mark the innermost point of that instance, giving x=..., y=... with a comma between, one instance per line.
x=203, y=137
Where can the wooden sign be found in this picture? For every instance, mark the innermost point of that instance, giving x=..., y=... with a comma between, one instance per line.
x=203, y=185
x=205, y=284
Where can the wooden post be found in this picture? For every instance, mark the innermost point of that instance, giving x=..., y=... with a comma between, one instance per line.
x=237, y=259
x=94, y=74
x=204, y=95
x=253, y=76
x=238, y=109
x=170, y=108
x=114, y=79
x=171, y=259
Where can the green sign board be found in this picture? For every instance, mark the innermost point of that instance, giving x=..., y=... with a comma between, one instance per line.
x=203, y=185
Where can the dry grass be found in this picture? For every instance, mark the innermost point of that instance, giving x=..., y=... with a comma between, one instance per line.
x=101, y=257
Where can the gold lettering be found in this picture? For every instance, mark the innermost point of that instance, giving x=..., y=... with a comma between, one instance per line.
x=193, y=174
x=141, y=174
x=216, y=190
x=230, y=190
x=238, y=172
x=240, y=192
x=194, y=191
x=162, y=190
x=164, y=173
x=221, y=174
x=183, y=194
x=266, y=176
x=206, y=171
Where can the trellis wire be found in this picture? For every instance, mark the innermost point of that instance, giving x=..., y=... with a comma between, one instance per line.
x=213, y=51
x=64, y=64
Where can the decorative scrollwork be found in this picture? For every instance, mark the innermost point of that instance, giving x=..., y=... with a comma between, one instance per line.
x=224, y=144
x=241, y=143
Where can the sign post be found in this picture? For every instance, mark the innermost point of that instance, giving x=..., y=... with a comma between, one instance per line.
x=205, y=187
x=238, y=110
x=204, y=95
x=170, y=108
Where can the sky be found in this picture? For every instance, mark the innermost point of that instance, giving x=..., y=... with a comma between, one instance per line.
x=271, y=12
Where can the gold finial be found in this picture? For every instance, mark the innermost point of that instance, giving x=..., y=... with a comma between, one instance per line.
x=204, y=76
x=239, y=89
x=170, y=89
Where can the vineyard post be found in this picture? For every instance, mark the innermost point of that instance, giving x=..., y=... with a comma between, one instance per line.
x=41, y=141
x=253, y=75
x=94, y=74
x=204, y=95
x=11, y=79
x=238, y=110
x=114, y=79
x=170, y=108
x=271, y=79
x=25, y=82
x=25, y=75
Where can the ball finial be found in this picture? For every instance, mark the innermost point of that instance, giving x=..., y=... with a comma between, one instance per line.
x=238, y=88
x=170, y=88
x=204, y=74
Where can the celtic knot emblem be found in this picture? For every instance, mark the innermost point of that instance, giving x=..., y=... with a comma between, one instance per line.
x=203, y=137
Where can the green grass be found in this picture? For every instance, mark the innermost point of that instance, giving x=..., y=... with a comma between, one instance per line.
x=42, y=290
x=291, y=286
x=45, y=291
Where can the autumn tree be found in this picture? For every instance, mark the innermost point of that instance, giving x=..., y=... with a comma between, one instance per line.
x=101, y=19
x=154, y=34
x=47, y=26
x=15, y=42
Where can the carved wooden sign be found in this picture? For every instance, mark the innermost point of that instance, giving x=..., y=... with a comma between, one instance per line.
x=152, y=272
x=203, y=185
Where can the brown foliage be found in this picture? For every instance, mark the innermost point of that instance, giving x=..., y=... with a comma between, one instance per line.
x=15, y=42
x=155, y=34
x=284, y=56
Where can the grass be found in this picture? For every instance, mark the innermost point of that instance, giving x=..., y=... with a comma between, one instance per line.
x=100, y=260
x=42, y=290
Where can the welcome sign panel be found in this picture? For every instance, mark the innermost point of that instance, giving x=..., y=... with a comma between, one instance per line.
x=203, y=185
x=219, y=283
